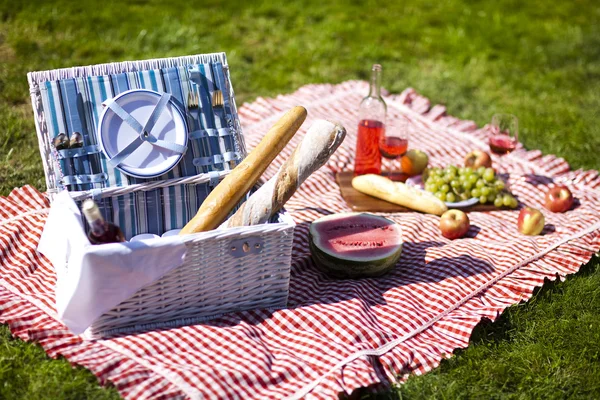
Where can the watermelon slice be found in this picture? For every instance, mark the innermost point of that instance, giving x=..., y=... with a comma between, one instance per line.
x=354, y=245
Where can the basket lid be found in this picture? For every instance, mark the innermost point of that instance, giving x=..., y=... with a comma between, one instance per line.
x=191, y=136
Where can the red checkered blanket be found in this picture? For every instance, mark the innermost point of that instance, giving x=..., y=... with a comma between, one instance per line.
x=335, y=335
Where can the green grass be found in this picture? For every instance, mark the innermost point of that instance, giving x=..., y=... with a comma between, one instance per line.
x=27, y=373
x=537, y=59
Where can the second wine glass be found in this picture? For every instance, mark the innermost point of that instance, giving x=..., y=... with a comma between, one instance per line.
x=505, y=134
x=393, y=142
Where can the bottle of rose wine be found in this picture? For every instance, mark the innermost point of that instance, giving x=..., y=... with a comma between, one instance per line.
x=101, y=231
x=372, y=113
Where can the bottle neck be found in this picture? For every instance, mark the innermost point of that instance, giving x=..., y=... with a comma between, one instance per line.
x=375, y=86
x=94, y=218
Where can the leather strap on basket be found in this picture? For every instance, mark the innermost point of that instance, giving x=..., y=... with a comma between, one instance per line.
x=202, y=133
x=217, y=159
x=144, y=132
x=79, y=152
x=83, y=179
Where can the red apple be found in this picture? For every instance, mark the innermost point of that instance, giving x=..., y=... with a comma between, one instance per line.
x=454, y=224
x=559, y=199
x=531, y=221
x=478, y=158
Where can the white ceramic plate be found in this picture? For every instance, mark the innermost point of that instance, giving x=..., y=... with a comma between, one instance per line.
x=147, y=161
x=417, y=181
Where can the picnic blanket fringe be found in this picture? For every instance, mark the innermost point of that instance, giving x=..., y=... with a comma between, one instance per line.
x=31, y=317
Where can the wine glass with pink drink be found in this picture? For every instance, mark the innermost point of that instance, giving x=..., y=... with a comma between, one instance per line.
x=393, y=143
x=505, y=134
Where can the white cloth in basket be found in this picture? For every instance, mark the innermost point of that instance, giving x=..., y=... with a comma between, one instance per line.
x=93, y=279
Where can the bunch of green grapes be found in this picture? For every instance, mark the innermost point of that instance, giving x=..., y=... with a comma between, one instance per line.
x=453, y=184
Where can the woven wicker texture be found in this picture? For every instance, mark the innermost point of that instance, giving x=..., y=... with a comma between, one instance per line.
x=233, y=270
x=336, y=335
x=214, y=279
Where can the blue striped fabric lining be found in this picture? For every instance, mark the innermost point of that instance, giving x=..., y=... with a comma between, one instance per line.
x=75, y=105
x=158, y=212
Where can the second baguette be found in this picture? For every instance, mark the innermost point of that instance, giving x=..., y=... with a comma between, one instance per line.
x=399, y=193
x=317, y=145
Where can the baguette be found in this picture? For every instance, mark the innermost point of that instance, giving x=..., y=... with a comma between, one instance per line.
x=234, y=186
x=399, y=193
x=319, y=143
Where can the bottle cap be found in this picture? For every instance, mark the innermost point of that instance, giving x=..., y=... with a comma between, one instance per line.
x=91, y=211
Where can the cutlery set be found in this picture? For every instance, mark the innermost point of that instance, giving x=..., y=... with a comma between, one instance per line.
x=218, y=109
x=64, y=142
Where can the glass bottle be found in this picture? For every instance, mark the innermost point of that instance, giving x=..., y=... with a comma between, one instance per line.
x=372, y=113
x=101, y=231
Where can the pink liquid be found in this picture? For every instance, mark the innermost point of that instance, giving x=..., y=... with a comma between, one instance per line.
x=392, y=147
x=368, y=158
x=502, y=144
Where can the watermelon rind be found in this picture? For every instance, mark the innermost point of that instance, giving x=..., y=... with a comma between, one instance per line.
x=343, y=266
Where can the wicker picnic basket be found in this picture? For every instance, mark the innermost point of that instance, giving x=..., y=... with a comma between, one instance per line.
x=224, y=270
